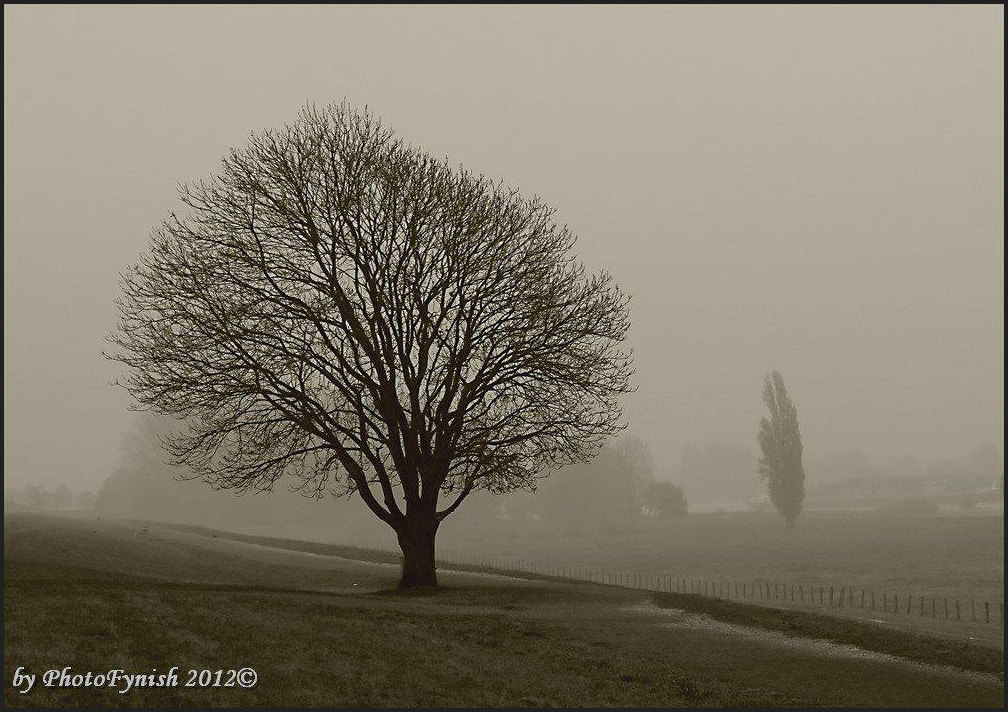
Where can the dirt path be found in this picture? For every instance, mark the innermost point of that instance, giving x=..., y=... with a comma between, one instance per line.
x=677, y=619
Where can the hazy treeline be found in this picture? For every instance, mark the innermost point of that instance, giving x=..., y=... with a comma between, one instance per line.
x=608, y=491
x=146, y=487
x=60, y=498
x=723, y=474
x=612, y=490
x=983, y=465
x=618, y=487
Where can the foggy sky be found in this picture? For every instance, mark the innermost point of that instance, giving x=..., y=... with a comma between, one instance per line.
x=814, y=190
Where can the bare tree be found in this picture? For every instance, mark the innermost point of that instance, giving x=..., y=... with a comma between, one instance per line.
x=340, y=307
x=780, y=442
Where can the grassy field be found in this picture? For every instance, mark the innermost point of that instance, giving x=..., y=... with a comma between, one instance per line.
x=955, y=556
x=327, y=631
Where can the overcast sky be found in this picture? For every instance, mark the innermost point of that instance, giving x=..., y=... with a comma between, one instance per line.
x=814, y=190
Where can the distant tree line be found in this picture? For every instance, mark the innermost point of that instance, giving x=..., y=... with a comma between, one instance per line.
x=60, y=498
x=721, y=474
x=981, y=467
x=616, y=489
x=145, y=487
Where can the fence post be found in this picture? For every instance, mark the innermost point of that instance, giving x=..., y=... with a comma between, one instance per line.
x=946, y=608
x=973, y=610
x=862, y=597
x=986, y=611
x=831, y=595
x=958, y=612
x=896, y=603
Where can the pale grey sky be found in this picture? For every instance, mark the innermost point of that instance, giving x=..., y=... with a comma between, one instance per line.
x=812, y=189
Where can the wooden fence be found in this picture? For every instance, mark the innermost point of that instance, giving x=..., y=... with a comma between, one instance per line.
x=831, y=597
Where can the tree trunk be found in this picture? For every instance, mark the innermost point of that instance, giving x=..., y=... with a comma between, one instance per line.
x=416, y=539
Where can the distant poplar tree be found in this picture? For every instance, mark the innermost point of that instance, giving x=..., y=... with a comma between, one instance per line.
x=780, y=442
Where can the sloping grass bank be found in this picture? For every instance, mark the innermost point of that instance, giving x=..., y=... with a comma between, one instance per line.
x=874, y=637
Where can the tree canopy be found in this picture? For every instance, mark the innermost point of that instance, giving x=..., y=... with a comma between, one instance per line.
x=340, y=307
